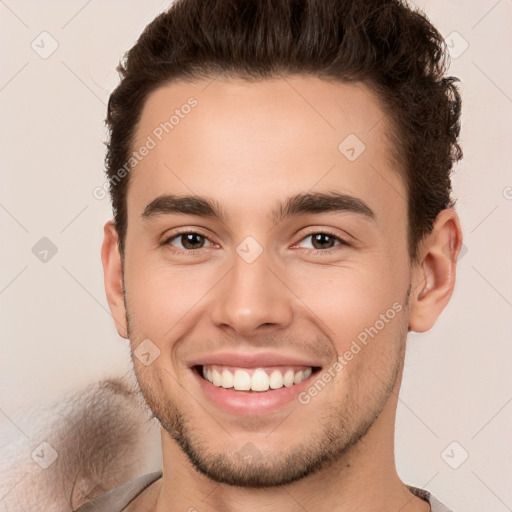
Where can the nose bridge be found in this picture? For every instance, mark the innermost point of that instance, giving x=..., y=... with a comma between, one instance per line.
x=251, y=295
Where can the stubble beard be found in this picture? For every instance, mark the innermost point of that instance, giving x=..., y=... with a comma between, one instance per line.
x=334, y=434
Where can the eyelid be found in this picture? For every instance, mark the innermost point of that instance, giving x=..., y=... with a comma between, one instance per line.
x=183, y=231
x=325, y=231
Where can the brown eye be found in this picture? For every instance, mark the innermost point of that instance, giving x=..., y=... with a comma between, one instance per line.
x=192, y=241
x=188, y=241
x=323, y=241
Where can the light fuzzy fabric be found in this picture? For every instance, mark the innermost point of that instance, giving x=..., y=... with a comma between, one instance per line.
x=103, y=436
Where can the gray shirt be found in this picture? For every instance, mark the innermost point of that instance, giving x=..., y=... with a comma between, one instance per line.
x=120, y=497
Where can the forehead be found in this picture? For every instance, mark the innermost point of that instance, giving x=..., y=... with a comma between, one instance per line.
x=232, y=139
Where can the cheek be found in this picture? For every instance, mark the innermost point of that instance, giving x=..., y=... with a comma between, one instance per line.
x=160, y=297
x=345, y=301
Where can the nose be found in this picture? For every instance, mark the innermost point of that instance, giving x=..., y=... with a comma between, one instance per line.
x=252, y=299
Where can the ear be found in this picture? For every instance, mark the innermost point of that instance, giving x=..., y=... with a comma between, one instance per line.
x=433, y=277
x=113, y=277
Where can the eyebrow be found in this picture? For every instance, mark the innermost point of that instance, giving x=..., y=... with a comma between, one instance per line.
x=299, y=204
x=317, y=202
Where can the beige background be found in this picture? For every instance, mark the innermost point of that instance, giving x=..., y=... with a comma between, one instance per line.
x=56, y=331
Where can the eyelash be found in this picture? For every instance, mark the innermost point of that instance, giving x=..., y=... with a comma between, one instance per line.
x=167, y=241
x=342, y=242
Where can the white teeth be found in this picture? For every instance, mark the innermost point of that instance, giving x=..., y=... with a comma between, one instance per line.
x=217, y=378
x=227, y=379
x=288, y=378
x=259, y=380
x=299, y=377
x=241, y=380
x=276, y=380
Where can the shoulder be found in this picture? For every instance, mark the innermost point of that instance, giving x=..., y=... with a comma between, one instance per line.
x=117, y=499
x=435, y=505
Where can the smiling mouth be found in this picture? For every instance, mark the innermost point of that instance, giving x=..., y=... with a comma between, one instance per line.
x=260, y=379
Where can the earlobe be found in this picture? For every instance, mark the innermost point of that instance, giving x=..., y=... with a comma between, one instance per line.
x=113, y=277
x=433, y=277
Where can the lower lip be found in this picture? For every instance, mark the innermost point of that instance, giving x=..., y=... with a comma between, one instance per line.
x=251, y=403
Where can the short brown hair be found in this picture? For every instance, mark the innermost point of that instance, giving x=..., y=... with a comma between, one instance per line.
x=390, y=46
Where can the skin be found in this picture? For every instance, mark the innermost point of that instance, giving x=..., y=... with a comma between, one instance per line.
x=248, y=146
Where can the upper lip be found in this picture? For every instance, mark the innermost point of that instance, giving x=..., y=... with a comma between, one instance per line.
x=254, y=360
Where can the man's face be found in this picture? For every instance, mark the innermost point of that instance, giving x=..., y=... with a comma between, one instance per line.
x=255, y=289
